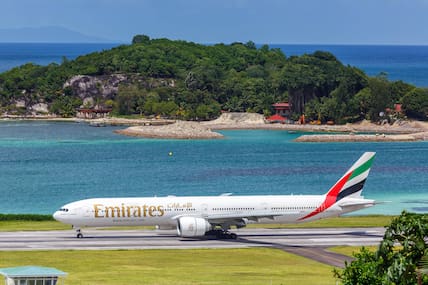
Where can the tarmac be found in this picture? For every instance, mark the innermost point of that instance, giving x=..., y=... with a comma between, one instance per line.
x=310, y=243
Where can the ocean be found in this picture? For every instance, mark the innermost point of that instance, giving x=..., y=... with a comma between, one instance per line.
x=44, y=165
x=16, y=54
x=407, y=63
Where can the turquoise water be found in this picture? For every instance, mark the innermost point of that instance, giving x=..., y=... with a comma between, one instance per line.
x=45, y=165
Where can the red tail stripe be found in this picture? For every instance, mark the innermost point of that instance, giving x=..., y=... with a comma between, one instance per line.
x=331, y=197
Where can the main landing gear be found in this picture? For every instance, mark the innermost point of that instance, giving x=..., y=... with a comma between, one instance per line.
x=221, y=234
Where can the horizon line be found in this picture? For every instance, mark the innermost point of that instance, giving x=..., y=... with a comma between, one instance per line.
x=215, y=43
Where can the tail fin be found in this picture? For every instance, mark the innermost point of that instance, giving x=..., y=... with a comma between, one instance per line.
x=352, y=183
x=349, y=185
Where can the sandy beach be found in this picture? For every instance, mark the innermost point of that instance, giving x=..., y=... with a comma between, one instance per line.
x=362, y=131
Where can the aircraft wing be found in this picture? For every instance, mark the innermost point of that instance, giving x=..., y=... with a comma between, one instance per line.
x=253, y=216
x=233, y=217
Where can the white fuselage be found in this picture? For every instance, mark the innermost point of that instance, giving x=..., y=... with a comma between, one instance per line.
x=164, y=211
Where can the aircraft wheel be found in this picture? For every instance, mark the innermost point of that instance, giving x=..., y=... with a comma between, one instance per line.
x=79, y=235
x=233, y=236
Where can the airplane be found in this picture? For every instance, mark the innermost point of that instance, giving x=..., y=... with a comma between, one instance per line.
x=200, y=216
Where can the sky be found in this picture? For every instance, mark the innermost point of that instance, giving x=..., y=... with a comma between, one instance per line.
x=401, y=22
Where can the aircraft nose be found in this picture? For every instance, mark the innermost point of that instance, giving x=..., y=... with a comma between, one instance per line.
x=55, y=215
x=59, y=216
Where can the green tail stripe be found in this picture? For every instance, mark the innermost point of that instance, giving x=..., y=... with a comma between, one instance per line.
x=362, y=168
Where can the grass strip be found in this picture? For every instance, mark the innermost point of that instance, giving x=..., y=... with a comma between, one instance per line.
x=26, y=217
x=195, y=266
x=21, y=223
x=12, y=226
x=337, y=222
x=350, y=250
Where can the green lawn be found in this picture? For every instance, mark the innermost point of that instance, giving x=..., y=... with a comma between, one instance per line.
x=199, y=266
x=349, y=250
x=6, y=226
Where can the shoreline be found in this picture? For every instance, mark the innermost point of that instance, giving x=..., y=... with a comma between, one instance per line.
x=346, y=133
x=403, y=131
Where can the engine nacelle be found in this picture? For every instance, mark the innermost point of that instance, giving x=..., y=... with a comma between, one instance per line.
x=192, y=227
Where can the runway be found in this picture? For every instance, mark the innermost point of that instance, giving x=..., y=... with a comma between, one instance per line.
x=149, y=239
x=310, y=243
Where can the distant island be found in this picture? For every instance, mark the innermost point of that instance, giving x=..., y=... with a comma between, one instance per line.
x=49, y=34
x=189, y=81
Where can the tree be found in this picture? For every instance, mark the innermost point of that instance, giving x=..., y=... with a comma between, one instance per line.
x=399, y=89
x=138, y=39
x=361, y=271
x=313, y=110
x=363, y=100
x=380, y=98
x=65, y=106
x=415, y=103
x=127, y=98
x=166, y=108
x=422, y=268
x=206, y=112
x=396, y=260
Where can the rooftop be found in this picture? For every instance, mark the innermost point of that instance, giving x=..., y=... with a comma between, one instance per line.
x=30, y=271
x=281, y=104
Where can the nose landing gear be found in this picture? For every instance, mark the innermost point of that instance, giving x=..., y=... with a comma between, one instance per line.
x=79, y=233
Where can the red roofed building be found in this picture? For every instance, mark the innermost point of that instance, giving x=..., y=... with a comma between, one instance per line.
x=282, y=113
x=282, y=109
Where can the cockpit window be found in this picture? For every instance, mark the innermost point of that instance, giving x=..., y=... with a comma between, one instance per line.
x=63, y=210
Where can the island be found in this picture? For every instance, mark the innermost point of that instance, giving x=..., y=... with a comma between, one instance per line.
x=162, y=80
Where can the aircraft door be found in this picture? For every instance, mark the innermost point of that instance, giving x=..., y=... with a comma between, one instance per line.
x=264, y=207
x=204, y=209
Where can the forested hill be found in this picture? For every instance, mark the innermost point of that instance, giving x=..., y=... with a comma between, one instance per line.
x=192, y=81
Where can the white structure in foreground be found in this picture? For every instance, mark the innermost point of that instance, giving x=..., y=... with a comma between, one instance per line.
x=32, y=275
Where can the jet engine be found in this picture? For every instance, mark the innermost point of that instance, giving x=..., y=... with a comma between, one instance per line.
x=192, y=227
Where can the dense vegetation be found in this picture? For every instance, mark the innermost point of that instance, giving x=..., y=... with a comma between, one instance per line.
x=193, y=81
x=400, y=259
x=25, y=217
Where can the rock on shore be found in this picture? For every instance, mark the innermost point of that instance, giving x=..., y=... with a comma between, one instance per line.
x=235, y=120
x=178, y=130
x=363, y=138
